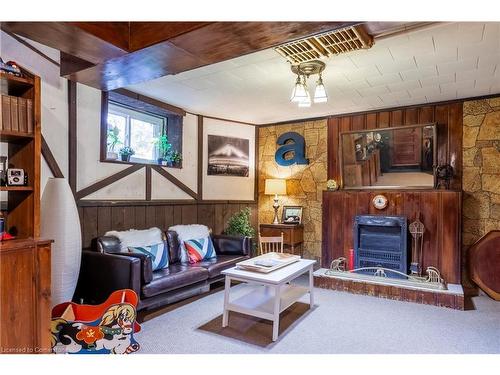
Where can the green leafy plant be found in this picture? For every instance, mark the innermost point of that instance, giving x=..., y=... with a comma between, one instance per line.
x=175, y=157
x=164, y=146
x=239, y=224
x=127, y=151
x=113, y=139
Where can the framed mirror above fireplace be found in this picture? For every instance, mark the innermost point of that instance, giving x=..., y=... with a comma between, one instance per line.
x=401, y=157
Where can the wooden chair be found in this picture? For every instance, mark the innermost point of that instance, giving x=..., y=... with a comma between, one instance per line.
x=270, y=244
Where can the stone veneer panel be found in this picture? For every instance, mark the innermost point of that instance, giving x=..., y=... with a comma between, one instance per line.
x=481, y=169
x=305, y=183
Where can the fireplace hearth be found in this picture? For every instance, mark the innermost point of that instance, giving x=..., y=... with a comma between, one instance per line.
x=381, y=241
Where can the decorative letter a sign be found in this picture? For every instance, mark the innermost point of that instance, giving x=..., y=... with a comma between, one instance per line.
x=291, y=142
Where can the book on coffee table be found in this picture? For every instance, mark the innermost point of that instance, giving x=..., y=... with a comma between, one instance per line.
x=268, y=262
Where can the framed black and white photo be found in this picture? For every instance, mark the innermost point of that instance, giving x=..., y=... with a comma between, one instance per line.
x=292, y=215
x=227, y=156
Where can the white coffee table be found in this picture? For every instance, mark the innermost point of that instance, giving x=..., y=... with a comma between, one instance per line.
x=274, y=294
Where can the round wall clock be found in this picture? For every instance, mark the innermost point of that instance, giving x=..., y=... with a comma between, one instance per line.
x=379, y=201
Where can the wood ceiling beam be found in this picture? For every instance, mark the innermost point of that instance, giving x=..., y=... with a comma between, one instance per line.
x=67, y=38
x=125, y=53
x=202, y=46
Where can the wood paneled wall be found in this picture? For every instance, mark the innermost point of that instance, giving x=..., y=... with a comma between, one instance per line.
x=97, y=218
x=448, y=117
x=440, y=212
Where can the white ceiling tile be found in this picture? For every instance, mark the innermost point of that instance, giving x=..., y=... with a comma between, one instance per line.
x=425, y=91
x=405, y=85
x=492, y=32
x=421, y=45
x=431, y=81
x=359, y=84
x=384, y=79
x=452, y=67
x=479, y=91
x=393, y=96
x=361, y=73
x=470, y=32
x=474, y=74
x=416, y=74
x=442, y=56
x=487, y=61
x=371, y=91
x=372, y=56
x=397, y=66
x=478, y=49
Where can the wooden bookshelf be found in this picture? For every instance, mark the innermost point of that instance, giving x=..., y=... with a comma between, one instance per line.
x=24, y=261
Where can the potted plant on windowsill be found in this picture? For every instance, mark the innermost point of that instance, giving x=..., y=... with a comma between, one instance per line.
x=174, y=159
x=164, y=147
x=112, y=141
x=126, y=153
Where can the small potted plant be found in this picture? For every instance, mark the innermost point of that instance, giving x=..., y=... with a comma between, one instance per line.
x=239, y=225
x=126, y=153
x=113, y=140
x=164, y=147
x=174, y=159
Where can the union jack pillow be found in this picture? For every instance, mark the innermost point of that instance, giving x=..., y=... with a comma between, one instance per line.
x=200, y=249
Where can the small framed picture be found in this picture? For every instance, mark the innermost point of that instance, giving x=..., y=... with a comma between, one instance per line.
x=292, y=215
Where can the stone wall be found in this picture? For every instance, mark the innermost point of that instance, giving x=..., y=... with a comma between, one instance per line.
x=305, y=183
x=481, y=169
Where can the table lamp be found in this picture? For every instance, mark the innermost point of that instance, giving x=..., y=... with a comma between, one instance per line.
x=275, y=187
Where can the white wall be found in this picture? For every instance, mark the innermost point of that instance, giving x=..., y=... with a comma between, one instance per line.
x=90, y=170
x=230, y=187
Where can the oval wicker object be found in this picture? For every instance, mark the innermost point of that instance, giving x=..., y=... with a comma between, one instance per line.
x=484, y=263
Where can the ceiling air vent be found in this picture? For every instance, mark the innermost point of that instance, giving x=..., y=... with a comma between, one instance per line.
x=326, y=44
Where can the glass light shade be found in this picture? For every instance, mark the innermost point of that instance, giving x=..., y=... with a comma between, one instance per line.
x=275, y=186
x=306, y=102
x=299, y=91
x=320, y=92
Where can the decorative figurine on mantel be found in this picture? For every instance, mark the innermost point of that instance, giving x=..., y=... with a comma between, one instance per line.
x=417, y=230
x=332, y=185
x=443, y=176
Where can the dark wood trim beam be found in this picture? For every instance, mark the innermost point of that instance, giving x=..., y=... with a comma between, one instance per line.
x=148, y=182
x=152, y=101
x=225, y=119
x=51, y=160
x=153, y=202
x=256, y=166
x=104, y=125
x=200, y=157
x=175, y=181
x=107, y=181
x=72, y=136
x=31, y=47
x=68, y=38
x=71, y=64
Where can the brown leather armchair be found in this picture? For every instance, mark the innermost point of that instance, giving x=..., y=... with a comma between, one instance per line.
x=105, y=269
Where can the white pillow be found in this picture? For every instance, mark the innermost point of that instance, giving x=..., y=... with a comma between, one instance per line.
x=189, y=232
x=135, y=238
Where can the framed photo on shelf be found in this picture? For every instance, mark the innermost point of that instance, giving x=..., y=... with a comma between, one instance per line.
x=292, y=215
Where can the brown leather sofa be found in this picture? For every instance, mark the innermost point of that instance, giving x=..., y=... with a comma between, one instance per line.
x=105, y=269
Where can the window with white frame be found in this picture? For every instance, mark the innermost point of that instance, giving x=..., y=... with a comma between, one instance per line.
x=135, y=129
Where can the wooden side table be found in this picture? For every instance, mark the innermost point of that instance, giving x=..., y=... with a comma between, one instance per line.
x=293, y=235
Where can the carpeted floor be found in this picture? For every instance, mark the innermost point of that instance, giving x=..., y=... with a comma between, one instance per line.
x=339, y=323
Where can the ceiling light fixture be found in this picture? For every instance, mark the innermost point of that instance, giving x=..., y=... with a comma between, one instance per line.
x=300, y=93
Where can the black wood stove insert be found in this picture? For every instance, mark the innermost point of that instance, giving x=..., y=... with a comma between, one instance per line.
x=381, y=241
